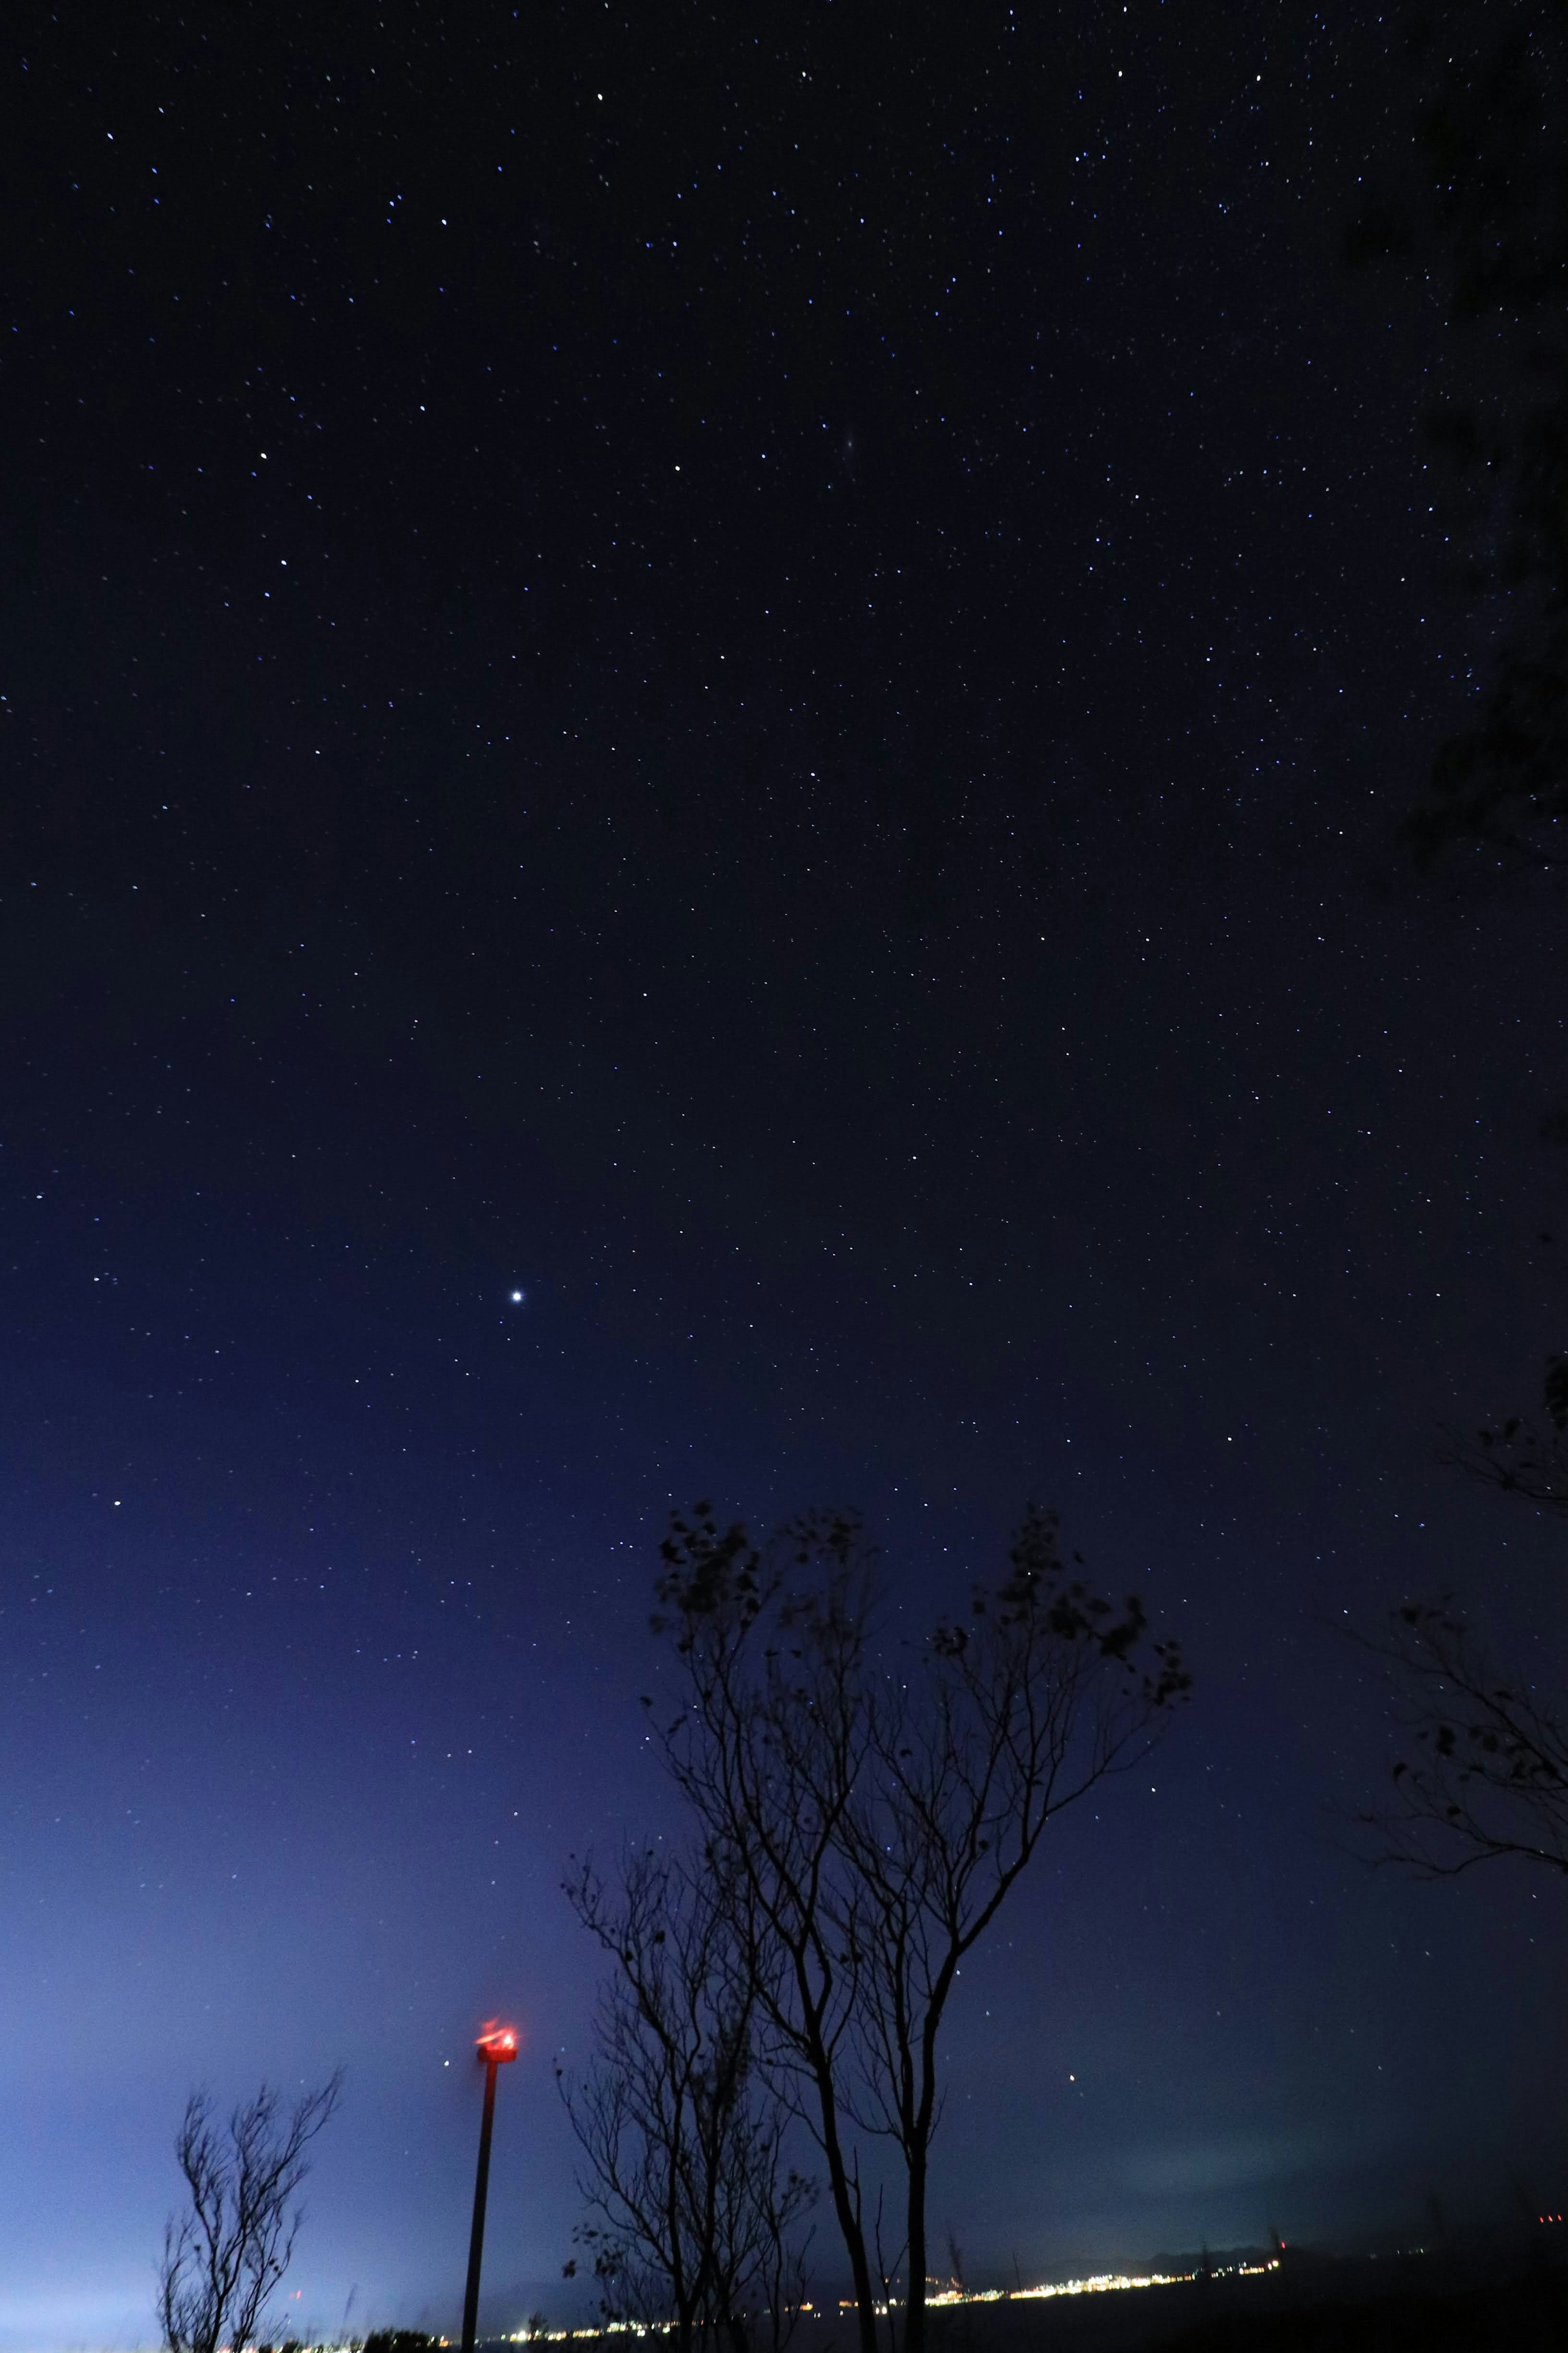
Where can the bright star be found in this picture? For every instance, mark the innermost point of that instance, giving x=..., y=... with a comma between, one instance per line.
x=518, y=1297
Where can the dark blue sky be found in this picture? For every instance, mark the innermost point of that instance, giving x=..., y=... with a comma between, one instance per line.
x=760, y=686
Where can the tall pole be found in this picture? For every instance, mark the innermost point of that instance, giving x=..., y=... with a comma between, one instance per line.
x=481, y=2186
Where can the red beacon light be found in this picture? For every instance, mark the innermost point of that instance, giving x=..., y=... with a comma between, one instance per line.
x=497, y=2044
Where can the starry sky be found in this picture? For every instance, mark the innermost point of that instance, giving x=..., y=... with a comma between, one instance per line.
x=704, y=726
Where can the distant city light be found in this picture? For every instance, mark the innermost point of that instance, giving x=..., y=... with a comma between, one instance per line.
x=1099, y=2284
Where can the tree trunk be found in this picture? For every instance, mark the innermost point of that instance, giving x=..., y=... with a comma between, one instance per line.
x=915, y=2238
x=846, y=2208
x=855, y=2242
x=846, y=2199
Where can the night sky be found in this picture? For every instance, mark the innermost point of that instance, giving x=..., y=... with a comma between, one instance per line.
x=706, y=717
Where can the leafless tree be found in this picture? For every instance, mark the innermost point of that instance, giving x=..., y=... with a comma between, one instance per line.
x=867, y=1811
x=697, y=2209
x=1488, y=1775
x=223, y=2257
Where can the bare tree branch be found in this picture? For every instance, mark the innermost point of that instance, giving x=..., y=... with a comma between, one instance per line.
x=697, y=2207
x=768, y=1753
x=223, y=2258
x=1487, y=1771
x=1519, y=1458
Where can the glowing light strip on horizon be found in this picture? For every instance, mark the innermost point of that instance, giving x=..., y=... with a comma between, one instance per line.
x=1101, y=2283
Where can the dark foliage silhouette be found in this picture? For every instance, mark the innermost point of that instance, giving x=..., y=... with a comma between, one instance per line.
x=1481, y=214
x=1487, y=1771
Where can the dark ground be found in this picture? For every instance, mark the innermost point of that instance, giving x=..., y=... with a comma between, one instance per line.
x=1413, y=2307
x=1362, y=2308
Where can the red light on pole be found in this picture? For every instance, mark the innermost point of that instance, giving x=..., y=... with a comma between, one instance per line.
x=495, y=2047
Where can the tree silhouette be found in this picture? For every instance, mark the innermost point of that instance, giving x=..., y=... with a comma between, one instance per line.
x=1487, y=1775
x=697, y=2210
x=223, y=2259
x=867, y=1813
x=1480, y=213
